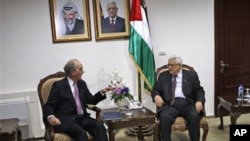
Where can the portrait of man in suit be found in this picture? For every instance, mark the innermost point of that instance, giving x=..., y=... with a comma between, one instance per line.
x=71, y=21
x=112, y=23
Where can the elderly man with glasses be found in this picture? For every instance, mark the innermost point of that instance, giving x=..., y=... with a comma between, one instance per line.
x=178, y=93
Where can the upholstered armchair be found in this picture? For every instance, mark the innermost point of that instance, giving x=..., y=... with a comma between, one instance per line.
x=180, y=123
x=44, y=88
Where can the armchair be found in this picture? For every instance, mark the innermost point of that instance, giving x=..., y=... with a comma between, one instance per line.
x=180, y=123
x=44, y=88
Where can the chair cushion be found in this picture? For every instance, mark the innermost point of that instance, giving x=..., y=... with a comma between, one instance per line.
x=204, y=123
x=180, y=124
x=62, y=137
x=65, y=137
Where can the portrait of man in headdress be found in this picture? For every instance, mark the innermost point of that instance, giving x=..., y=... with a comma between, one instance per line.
x=70, y=20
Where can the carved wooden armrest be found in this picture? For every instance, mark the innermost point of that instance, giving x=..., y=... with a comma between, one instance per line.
x=96, y=109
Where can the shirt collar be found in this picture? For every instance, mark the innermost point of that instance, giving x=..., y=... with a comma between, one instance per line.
x=179, y=74
x=112, y=18
x=71, y=82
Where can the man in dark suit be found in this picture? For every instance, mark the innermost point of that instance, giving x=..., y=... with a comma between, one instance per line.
x=187, y=102
x=61, y=109
x=113, y=23
x=73, y=24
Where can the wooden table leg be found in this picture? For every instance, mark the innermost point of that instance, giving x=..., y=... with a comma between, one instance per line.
x=112, y=134
x=155, y=128
x=221, y=126
x=140, y=134
x=234, y=117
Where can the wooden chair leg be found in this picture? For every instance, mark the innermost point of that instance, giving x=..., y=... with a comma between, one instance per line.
x=205, y=132
x=159, y=133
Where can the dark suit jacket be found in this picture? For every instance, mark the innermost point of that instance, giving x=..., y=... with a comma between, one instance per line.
x=119, y=25
x=61, y=102
x=190, y=86
x=78, y=28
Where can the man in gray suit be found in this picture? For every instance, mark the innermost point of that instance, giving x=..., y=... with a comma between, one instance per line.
x=187, y=101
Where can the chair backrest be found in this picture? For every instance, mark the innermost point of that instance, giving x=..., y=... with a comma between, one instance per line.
x=45, y=85
x=165, y=68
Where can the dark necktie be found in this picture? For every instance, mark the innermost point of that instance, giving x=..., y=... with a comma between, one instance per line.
x=112, y=24
x=77, y=100
x=173, y=90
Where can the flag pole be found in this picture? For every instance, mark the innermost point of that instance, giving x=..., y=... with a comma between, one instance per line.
x=144, y=130
x=139, y=86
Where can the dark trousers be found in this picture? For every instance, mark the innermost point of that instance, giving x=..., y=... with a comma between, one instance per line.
x=181, y=108
x=77, y=130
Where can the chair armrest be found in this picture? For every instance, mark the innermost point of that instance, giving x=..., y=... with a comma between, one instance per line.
x=49, y=133
x=96, y=109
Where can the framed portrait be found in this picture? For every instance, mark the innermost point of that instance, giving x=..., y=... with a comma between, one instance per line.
x=70, y=20
x=111, y=19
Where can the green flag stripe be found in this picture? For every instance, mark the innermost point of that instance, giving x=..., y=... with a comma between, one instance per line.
x=143, y=57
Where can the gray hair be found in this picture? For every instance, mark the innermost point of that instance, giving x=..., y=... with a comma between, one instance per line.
x=177, y=59
x=70, y=66
x=113, y=3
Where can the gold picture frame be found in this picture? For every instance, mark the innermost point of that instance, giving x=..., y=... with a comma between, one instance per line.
x=103, y=23
x=70, y=20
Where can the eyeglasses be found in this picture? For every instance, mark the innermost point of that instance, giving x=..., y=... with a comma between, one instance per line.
x=171, y=65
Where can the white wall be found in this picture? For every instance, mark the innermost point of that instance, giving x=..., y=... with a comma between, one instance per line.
x=1, y=45
x=181, y=27
x=186, y=28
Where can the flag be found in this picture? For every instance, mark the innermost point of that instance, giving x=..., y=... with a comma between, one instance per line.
x=140, y=46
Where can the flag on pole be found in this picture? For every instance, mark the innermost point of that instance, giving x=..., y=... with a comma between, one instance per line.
x=140, y=46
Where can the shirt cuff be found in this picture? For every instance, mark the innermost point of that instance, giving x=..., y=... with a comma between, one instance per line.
x=102, y=93
x=50, y=117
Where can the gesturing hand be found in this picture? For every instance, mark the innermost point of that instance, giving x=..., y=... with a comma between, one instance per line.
x=107, y=89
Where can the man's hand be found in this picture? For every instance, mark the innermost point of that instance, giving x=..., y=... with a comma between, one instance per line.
x=54, y=121
x=107, y=89
x=158, y=101
x=198, y=106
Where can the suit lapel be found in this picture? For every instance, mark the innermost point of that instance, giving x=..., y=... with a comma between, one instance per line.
x=80, y=89
x=184, y=80
x=69, y=93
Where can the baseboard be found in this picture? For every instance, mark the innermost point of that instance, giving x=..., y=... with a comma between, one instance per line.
x=34, y=139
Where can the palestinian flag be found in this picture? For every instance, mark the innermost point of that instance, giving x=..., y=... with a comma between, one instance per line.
x=140, y=46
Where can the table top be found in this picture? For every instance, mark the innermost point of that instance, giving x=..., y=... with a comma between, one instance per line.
x=136, y=113
x=142, y=116
x=234, y=102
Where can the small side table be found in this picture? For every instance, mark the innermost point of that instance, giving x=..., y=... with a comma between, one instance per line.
x=9, y=130
x=139, y=118
x=234, y=107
